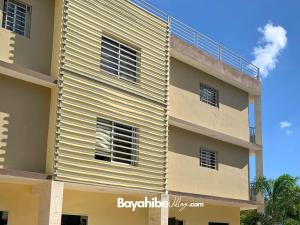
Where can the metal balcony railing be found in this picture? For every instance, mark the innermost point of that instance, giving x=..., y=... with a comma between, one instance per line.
x=252, y=134
x=251, y=192
x=198, y=40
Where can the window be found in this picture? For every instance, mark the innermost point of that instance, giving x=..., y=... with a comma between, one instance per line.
x=208, y=159
x=175, y=221
x=74, y=220
x=209, y=95
x=3, y=218
x=115, y=142
x=16, y=17
x=119, y=59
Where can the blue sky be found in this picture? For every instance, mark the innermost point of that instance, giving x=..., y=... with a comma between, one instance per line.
x=235, y=23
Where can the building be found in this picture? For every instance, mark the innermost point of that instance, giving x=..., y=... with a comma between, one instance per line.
x=101, y=99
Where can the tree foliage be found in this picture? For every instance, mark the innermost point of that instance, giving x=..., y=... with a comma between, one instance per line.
x=282, y=202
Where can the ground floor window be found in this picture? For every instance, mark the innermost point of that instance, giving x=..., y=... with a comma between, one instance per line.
x=3, y=218
x=175, y=221
x=74, y=220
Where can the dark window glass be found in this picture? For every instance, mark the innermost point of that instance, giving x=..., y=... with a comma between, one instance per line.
x=16, y=17
x=3, y=218
x=74, y=220
x=118, y=59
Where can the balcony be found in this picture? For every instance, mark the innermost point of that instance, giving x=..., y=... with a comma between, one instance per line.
x=252, y=195
x=200, y=41
x=252, y=134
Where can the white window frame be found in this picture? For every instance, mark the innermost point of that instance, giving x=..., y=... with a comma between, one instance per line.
x=208, y=159
x=13, y=25
x=125, y=61
x=108, y=141
x=207, y=94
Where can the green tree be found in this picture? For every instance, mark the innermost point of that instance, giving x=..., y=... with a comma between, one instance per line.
x=282, y=202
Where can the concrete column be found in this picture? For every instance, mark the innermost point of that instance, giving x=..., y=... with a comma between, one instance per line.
x=258, y=154
x=50, y=202
x=159, y=216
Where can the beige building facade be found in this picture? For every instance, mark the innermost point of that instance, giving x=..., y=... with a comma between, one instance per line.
x=104, y=100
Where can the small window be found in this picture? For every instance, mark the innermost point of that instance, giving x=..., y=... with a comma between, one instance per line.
x=74, y=220
x=208, y=159
x=3, y=218
x=16, y=17
x=115, y=142
x=119, y=59
x=209, y=95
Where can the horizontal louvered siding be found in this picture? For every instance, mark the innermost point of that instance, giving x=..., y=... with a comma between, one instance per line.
x=86, y=92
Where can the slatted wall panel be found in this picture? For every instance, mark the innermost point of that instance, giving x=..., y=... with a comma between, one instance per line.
x=86, y=92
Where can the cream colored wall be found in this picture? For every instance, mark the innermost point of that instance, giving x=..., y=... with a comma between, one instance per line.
x=20, y=203
x=230, y=118
x=24, y=110
x=101, y=209
x=33, y=52
x=186, y=175
x=87, y=92
x=209, y=213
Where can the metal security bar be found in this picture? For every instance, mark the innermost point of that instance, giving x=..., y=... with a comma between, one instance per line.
x=115, y=142
x=198, y=40
x=209, y=95
x=208, y=159
x=16, y=17
x=119, y=59
x=252, y=134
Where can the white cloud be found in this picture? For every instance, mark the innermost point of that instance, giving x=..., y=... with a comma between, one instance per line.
x=285, y=124
x=288, y=132
x=266, y=54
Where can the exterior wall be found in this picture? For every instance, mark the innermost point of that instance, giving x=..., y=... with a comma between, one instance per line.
x=21, y=204
x=86, y=92
x=33, y=52
x=209, y=213
x=24, y=111
x=230, y=118
x=186, y=175
x=102, y=208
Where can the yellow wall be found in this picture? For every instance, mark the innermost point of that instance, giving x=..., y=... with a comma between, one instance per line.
x=209, y=213
x=101, y=209
x=24, y=110
x=186, y=175
x=230, y=118
x=33, y=52
x=20, y=203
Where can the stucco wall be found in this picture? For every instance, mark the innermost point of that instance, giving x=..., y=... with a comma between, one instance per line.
x=33, y=52
x=230, y=118
x=21, y=204
x=101, y=209
x=186, y=175
x=209, y=213
x=24, y=111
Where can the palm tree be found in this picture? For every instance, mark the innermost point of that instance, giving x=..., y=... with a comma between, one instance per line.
x=282, y=201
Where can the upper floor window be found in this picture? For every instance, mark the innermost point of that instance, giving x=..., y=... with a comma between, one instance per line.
x=16, y=17
x=208, y=159
x=3, y=217
x=119, y=59
x=115, y=142
x=209, y=95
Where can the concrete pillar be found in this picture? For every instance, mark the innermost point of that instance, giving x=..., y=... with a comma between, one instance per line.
x=258, y=140
x=50, y=202
x=159, y=216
